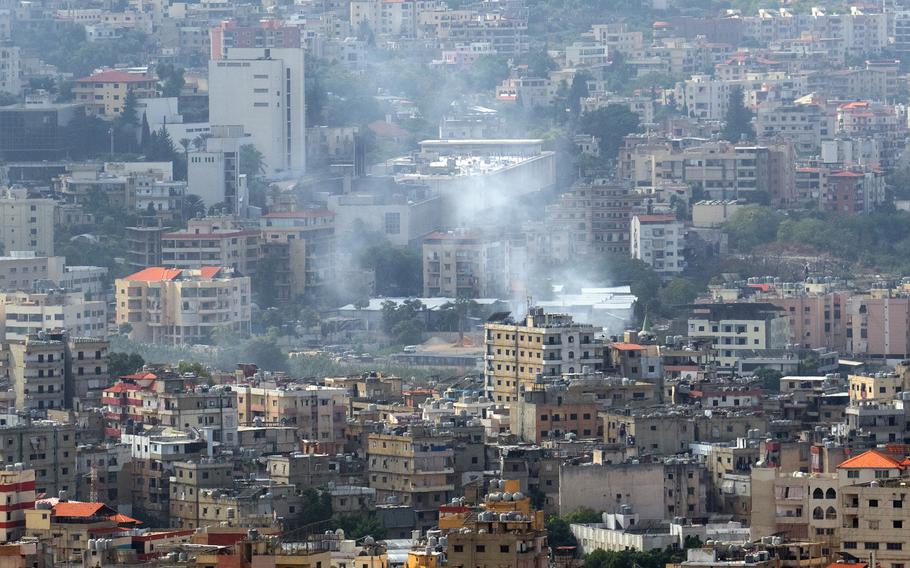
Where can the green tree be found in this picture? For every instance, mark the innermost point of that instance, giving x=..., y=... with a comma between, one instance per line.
x=121, y=364
x=129, y=114
x=195, y=368
x=264, y=353
x=738, y=121
x=488, y=72
x=172, y=79
x=360, y=524
x=316, y=507
x=610, y=125
x=770, y=379
x=751, y=226
x=145, y=133
x=577, y=92
x=252, y=162
x=677, y=292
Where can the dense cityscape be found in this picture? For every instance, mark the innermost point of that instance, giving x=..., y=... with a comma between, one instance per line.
x=464, y=283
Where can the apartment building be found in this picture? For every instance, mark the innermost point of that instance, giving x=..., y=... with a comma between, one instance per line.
x=173, y=305
x=587, y=219
x=875, y=521
x=799, y=505
x=28, y=224
x=545, y=345
x=213, y=410
x=261, y=89
x=655, y=490
x=36, y=369
x=212, y=242
x=390, y=19
x=878, y=387
x=17, y=493
x=414, y=467
x=264, y=34
x=738, y=328
x=189, y=480
x=805, y=125
x=544, y=412
x=154, y=454
x=11, y=70
x=44, y=446
x=318, y=413
x=877, y=325
x=507, y=34
x=659, y=241
x=23, y=313
x=143, y=246
x=21, y=270
x=302, y=244
x=453, y=265
x=816, y=319
x=104, y=93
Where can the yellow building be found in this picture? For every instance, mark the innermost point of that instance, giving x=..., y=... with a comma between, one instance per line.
x=416, y=467
x=174, y=306
x=880, y=387
x=506, y=531
x=104, y=93
x=543, y=344
x=256, y=551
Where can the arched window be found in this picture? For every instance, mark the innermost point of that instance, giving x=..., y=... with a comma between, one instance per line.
x=830, y=493
x=830, y=513
x=818, y=493
x=817, y=513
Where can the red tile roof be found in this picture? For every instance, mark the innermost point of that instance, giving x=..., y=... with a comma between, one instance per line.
x=114, y=76
x=154, y=274
x=142, y=376
x=627, y=346
x=871, y=459
x=122, y=387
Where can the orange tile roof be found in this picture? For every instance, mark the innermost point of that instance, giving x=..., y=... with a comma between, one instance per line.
x=871, y=459
x=122, y=519
x=141, y=376
x=847, y=565
x=122, y=387
x=627, y=346
x=154, y=274
x=210, y=271
x=78, y=509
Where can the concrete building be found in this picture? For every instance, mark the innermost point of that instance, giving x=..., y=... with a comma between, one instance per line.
x=143, y=246
x=54, y=465
x=11, y=70
x=21, y=270
x=805, y=125
x=213, y=171
x=172, y=305
x=736, y=328
x=265, y=34
x=874, y=521
x=452, y=265
x=403, y=218
x=104, y=93
x=878, y=325
x=655, y=490
x=36, y=129
x=22, y=314
x=799, y=505
x=28, y=224
x=544, y=412
x=413, y=467
x=36, y=369
x=543, y=344
x=317, y=413
x=216, y=241
x=17, y=492
x=261, y=90
x=189, y=480
x=659, y=241
x=303, y=245
x=587, y=219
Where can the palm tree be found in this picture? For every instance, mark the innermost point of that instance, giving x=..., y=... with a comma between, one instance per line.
x=199, y=141
x=193, y=206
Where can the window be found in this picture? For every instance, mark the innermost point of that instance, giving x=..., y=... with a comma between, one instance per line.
x=504, y=548
x=873, y=502
x=895, y=546
x=871, y=546
x=458, y=547
x=480, y=548
x=392, y=223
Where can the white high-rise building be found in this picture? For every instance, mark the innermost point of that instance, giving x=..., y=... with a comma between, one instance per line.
x=214, y=171
x=262, y=90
